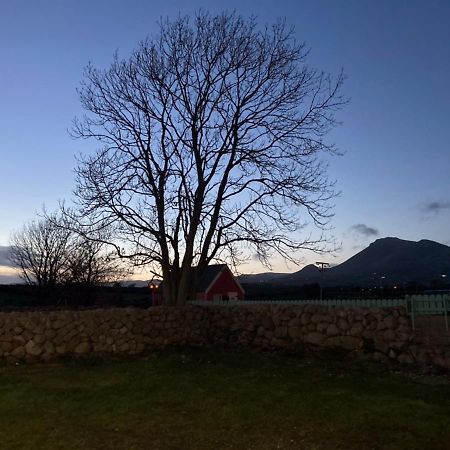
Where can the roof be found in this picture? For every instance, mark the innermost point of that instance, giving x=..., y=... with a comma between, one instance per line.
x=210, y=273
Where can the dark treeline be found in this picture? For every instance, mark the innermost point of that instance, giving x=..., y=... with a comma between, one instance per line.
x=22, y=296
x=312, y=291
x=14, y=297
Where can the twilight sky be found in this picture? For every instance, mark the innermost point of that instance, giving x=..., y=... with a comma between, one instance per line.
x=394, y=177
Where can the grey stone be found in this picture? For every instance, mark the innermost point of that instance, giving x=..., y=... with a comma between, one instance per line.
x=405, y=358
x=314, y=338
x=33, y=349
x=357, y=329
x=389, y=335
x=351, y=342
x=281, y=332
x=343, y=324
x=19, y=352
x=332, y=330
x=294, y=332
x=82, y=348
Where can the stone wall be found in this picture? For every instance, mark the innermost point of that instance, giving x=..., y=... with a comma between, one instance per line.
x=379, y=334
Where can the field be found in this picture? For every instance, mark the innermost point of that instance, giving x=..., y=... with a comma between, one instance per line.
x=219, y=400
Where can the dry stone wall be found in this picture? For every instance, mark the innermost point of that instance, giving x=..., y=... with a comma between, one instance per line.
x=379, y=334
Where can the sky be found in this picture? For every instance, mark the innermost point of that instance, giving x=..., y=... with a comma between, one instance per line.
x=393, y=176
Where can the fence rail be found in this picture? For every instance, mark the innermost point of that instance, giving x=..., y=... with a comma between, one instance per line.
x=356, y=302
x=428, y=305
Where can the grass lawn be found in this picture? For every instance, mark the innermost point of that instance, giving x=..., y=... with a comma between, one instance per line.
x=218, y=400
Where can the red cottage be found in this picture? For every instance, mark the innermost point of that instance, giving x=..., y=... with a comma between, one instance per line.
x=218, y=283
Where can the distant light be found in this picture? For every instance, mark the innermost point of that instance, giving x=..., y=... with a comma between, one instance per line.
x=443, y=275
x=152, y=285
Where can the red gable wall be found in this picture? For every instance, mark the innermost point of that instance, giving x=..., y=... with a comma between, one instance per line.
x=224, y=284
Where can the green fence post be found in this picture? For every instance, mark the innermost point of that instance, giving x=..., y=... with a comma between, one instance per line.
x=445, y=299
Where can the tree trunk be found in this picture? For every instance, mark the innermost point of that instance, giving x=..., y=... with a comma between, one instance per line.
x=184, y=286
x=169, y=291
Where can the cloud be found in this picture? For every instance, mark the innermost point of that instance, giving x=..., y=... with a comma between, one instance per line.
x=8, y=275
x=363, y=230
x=4, y=256
x=257, y=258
x=435, y=207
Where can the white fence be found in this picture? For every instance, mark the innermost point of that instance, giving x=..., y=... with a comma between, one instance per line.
x=356, y=302
x=428, y=305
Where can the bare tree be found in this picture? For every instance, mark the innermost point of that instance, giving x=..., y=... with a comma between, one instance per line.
x=39, y=250
x=89, y=262
x=51, y=251
x=210, y=138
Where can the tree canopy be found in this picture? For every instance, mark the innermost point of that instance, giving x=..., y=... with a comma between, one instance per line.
x=48, y=251
x=210, y=138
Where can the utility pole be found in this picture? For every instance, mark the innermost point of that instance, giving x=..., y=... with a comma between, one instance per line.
x=323, y=266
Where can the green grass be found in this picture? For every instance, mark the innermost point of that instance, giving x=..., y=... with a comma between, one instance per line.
x=218, y=400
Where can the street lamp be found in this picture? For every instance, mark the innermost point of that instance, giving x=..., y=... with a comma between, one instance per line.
x=323, y=266
x=443, y=280
x=154, y=291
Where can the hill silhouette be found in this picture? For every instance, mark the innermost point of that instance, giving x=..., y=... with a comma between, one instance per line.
x=386, y=262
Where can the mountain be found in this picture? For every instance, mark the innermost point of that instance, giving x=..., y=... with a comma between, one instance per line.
x=308, y=275
x=134, y=283
x=395, y=261
x=261, y=278
x=386, y=262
